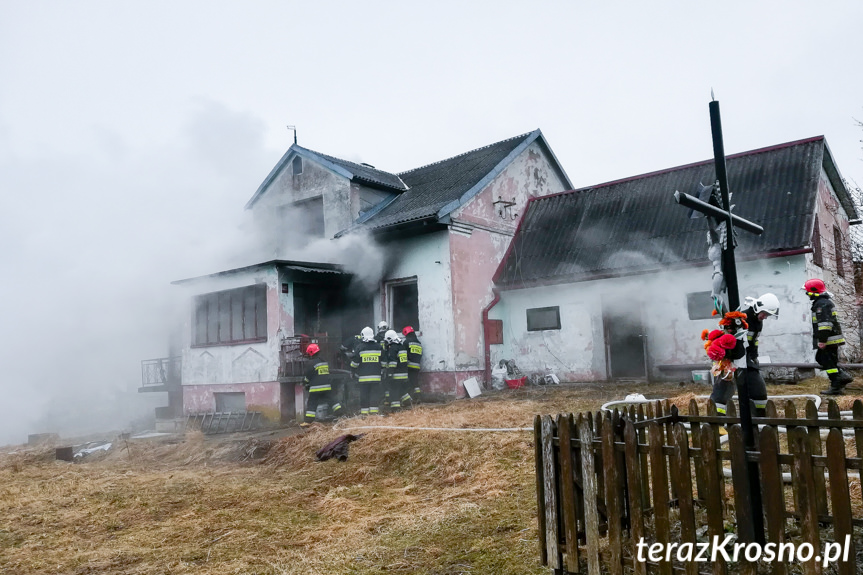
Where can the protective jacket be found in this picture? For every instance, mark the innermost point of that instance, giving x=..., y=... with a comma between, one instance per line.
x=397, y=361
x=317, y=375
x=825, y=323
x=367, y=362
x=752, y=334
x=415, y=351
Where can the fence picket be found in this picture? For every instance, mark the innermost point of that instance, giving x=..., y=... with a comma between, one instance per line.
x=591, y=514
x=857, y=411
x=568, y=499
x=806, y=495
x=552, y=534
x=684, y=493
x=659, y=477
x=833, y=410
x=773, y=497
x=711, y=410
x=698, y=464
x=645, y=478
x=841, y=499
x=612, y=499
x=791, y=413
x=635, y=483
x=740, y=481
x=713, y=484
x=540, y=486
x=815, y=449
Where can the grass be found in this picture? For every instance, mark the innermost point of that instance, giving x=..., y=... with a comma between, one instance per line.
x=405, y=501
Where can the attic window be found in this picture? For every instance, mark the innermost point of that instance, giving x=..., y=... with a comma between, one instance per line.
x=816, y=245
x=297, y=166
x=838, y=248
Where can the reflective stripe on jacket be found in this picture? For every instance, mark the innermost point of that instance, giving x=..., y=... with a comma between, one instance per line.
x=825, y=323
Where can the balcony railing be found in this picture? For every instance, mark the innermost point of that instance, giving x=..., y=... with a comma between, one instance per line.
x=292, y=358
x=163, y=372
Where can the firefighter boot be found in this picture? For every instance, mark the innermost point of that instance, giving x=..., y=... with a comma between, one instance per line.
x=845, y=378
x=836, y=385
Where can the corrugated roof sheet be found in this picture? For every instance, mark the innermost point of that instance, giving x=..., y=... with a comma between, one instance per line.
x=364, y=172
x=434, y=186
x=635, y=224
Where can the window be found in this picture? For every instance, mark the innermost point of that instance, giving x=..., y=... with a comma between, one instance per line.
x=816, y=245
x=232, y=316
x=699, y=305
x=297, y=166
x=540, y=318
x=305, y=219
x=404, y=305
x=839, y=250
x=230, y=401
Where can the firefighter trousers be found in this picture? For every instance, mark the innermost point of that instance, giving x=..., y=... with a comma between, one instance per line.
x=317, y=398
x=828, y=358
x=723, y=390
x=370, y=397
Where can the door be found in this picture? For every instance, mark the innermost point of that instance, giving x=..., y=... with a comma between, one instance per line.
x=625, y=340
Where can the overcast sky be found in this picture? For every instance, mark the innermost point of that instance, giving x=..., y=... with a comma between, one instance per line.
x=133, y=133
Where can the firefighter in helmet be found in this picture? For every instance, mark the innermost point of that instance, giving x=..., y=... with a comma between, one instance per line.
x=748, y=372
x=826, y=336
x=318, y=381
x=415, y=355
x=367, y=369
x=397, y=371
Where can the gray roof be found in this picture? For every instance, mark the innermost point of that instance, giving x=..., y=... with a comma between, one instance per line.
x=361, y=173
x=305, y=267
x=634, y=224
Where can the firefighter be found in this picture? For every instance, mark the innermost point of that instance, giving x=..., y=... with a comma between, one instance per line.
x=415, y=356
x=397, y=370
x=318, y=381
x=826, y=336
x=748, y=372
x=348, y=349
x=367, y=369
x=382, y=332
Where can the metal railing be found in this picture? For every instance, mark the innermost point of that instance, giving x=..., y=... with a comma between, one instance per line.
x=165, y=371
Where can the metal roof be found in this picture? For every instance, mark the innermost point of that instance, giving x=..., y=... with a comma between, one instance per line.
x=283, y=264
x=635, y=224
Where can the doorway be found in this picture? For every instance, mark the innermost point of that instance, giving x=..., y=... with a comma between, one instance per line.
x=625, y=339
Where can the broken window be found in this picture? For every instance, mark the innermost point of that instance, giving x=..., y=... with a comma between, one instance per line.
x=540, y=318
x=699, y=304
x=838, y=249
x=816, y=245
x=305, y=219
x=231, y=316
x=404, y=305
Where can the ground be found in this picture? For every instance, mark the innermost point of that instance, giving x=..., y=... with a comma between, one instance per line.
x=419, y=501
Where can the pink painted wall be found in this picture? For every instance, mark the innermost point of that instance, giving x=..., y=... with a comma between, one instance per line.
x=262, y=396
x=475, y=258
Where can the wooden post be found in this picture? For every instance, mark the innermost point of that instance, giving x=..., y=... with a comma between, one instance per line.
x=634, y=479
x=659, y=476
x=568, y=499
x=552, y=535
x=591, y=514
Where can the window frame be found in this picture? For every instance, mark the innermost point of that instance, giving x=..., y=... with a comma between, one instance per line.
x=690, y=297
x=817, y=254
x=216, y=322
x=839, y=251
x=393, y=285
x=555, y=308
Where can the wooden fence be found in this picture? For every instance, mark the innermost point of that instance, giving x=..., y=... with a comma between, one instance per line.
x=607, y=481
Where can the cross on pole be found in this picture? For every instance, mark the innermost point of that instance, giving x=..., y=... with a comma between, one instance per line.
x=720, y=218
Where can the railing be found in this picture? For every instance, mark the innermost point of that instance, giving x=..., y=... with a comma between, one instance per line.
x=224, y=422
x=607, y=481
x=292, y=358
x=165, y=371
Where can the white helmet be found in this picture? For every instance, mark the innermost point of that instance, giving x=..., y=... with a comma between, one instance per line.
x=391, y=336
x=383, y=326
x=367, y=334
x=767, y=303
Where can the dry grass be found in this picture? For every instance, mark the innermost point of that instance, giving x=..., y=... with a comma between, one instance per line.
x=406, y=501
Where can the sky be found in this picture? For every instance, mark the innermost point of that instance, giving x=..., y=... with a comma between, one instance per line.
x=133, y=133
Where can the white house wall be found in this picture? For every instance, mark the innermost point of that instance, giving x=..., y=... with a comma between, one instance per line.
x=426, y=257
x=577, y=352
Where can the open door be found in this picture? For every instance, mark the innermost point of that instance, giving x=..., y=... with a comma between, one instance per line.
x=625, y=339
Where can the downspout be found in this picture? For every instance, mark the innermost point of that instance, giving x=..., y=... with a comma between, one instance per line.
x=486, y=344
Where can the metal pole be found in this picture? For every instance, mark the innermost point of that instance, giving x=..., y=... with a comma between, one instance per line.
x=729, y=270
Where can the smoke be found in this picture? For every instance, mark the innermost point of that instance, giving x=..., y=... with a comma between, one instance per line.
x=93, y=237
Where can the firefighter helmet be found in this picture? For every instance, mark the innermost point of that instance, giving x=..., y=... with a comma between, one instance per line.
x=408, y=329
x=312, y=349
x=383, y=326
x=391, y=336
x=768, y=303
x=814, y=287
x=368, y=334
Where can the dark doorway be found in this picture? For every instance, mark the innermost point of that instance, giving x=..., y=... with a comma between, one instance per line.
x=625, y=340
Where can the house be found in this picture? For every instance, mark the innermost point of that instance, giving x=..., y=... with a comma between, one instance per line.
x=352, y=245
x=613, y=282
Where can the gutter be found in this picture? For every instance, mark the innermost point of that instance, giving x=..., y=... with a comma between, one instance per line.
x=486, y=344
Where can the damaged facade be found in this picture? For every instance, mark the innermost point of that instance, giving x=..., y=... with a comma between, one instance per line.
x=415, y=248
x=613, y=281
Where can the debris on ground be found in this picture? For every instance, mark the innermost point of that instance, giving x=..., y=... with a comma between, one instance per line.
x=337, y=448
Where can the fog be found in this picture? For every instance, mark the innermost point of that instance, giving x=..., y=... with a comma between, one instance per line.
x=132, y=135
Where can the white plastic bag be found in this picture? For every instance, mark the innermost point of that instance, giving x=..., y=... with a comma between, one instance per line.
x=498, y=377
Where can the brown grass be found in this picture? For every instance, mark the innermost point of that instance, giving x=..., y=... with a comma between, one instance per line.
x=406, y=501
